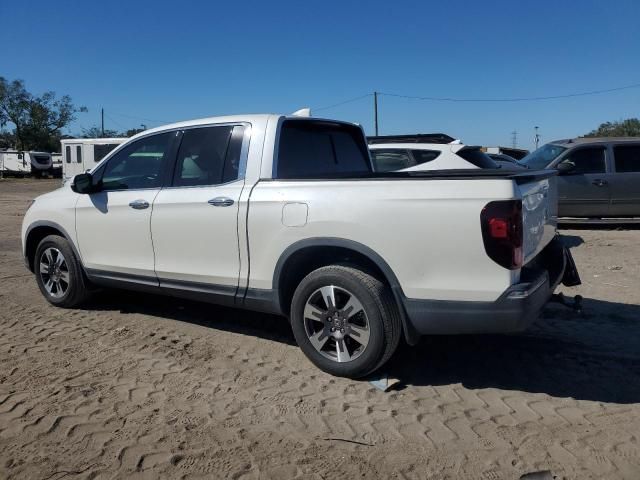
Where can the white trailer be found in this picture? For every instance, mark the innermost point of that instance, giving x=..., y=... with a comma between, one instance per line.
x=56, y=165
x=19, y=163
x=82, y=154
x=13, y=162
x=40, y=162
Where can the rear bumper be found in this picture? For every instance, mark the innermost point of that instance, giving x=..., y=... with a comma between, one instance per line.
x=517, y=308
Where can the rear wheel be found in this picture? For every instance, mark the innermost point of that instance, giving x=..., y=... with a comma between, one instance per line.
x=59, y=274
x=345, y=321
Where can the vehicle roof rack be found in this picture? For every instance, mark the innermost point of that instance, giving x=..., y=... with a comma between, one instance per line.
x=417, y=138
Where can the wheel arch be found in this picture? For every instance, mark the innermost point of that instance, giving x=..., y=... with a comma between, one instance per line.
x=304, y=256
x=39, y=230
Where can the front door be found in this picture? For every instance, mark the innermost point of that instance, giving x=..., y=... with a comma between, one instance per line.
x=584, y=191
x=625, y=181
x=195, y=220
x=114, y=224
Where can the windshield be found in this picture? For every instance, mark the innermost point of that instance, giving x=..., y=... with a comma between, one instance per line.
x=542, y=157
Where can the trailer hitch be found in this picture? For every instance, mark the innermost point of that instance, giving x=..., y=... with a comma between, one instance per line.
x=574, y=303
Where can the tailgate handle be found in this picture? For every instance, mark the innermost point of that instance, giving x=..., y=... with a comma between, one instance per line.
x=599, y=182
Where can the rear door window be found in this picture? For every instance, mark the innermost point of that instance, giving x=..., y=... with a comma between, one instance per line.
x=316, y=149
x=389, y=160
x=208, y=156
x=587, y=160
x=627, y=158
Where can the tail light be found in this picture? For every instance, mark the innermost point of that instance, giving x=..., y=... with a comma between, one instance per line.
x=501, y=223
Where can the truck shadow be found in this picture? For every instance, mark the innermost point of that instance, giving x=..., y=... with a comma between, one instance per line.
x=591, y=356
x=245, y=322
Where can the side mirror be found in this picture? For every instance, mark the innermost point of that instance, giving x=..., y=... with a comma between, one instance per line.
x=565, y=167
x=83, y=183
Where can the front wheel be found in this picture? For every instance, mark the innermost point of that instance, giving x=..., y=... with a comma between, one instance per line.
x=59, y=274
x=345, y=321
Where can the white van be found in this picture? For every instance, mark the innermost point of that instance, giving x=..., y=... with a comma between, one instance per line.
x=82, y=154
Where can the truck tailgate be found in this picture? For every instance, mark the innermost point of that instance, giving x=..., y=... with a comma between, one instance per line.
x=539, y=212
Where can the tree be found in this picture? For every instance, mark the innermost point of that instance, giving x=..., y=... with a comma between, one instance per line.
x=14, y=107
x=7, y=140
x=623, y=128
x=38, y=120
x=134, y=131
x=96, y=132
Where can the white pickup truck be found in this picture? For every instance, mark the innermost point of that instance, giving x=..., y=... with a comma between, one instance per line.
x=284, y=215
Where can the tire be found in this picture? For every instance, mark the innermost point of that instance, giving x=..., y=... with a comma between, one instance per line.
x=65, y=286
x=354, y=336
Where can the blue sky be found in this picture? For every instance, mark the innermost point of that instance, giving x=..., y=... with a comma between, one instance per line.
x=157, y=62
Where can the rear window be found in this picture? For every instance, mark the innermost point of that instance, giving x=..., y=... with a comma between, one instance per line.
x=311, y=149
x=627, y=158
x=477, y=157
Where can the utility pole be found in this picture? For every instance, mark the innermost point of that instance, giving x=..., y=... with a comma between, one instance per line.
x=375, y=110
x=514, y=139
x=536, y=138
x=102, y=116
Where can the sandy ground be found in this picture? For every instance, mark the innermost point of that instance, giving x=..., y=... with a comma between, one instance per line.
x=137, y=386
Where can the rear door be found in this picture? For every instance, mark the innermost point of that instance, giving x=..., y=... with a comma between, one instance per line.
x=195, y=220
x=584, y=191
x=625, y=181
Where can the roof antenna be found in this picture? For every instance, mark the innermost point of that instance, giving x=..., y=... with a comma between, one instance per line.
x=303, y=112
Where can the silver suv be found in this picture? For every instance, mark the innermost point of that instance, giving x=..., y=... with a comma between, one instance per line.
x=599, y=177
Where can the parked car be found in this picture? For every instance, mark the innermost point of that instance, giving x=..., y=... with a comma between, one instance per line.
x=513, y=152
x=283, y=214
x=421, y=152
x=505, y=161
x=599, y=177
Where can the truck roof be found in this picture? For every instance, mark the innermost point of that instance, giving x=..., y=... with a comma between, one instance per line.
x=247, y=118
x=416, y=138
x=589, y=140
x=91, y=141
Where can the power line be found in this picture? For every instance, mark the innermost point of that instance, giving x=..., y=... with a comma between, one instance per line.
x=344, y=102
x=516, y=99
x=116, y=122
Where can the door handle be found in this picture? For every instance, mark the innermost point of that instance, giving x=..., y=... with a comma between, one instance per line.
x=220, y=202
x=599, y=183
x=139, y=204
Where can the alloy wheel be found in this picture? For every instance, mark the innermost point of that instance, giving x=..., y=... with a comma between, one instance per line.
x=336, y=324
x=54, y=272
